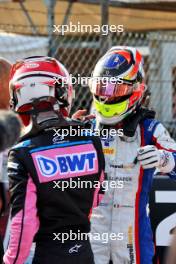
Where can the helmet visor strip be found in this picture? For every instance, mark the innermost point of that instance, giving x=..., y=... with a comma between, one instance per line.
x=108, y=88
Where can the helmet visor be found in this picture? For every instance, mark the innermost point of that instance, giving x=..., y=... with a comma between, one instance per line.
x=110, y=88
x=108, y=110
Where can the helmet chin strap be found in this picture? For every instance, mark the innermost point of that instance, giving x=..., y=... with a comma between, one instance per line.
x=42, y=121
x=47, y=118
x=43, y=118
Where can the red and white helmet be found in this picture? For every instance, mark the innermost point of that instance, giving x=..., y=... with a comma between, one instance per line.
x=39, y=77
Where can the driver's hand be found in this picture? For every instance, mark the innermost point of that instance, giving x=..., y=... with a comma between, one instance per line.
x=81, y=115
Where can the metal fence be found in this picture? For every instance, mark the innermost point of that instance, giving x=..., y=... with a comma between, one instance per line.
x=80, y=52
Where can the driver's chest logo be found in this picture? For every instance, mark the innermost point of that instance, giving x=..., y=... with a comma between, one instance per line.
x=108, y=145
x=63, y=163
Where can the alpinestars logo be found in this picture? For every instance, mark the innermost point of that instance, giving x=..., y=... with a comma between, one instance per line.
x=74, y=249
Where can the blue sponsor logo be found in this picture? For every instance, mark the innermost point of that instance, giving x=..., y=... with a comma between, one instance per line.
x=65, y=164
x=114, y=61
x=107, y=140
x=47, y=166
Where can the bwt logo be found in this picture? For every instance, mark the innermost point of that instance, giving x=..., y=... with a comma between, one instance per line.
x=64, y=164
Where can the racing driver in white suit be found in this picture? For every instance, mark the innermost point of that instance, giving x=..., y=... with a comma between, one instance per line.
x=144, y=149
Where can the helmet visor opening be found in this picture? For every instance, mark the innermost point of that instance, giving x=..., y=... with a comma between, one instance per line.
x=110, y=88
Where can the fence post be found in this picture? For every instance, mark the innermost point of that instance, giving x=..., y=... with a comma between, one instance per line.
x=155, y=73
x=160, y=75
x=105, y=40
x=50, y=13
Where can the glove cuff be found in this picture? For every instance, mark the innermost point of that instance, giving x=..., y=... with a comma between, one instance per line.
x=167, y=161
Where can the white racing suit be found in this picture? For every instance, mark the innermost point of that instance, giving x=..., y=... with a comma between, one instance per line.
x=123, y=212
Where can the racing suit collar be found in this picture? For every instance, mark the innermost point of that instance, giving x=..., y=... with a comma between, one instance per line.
x=130, y=123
